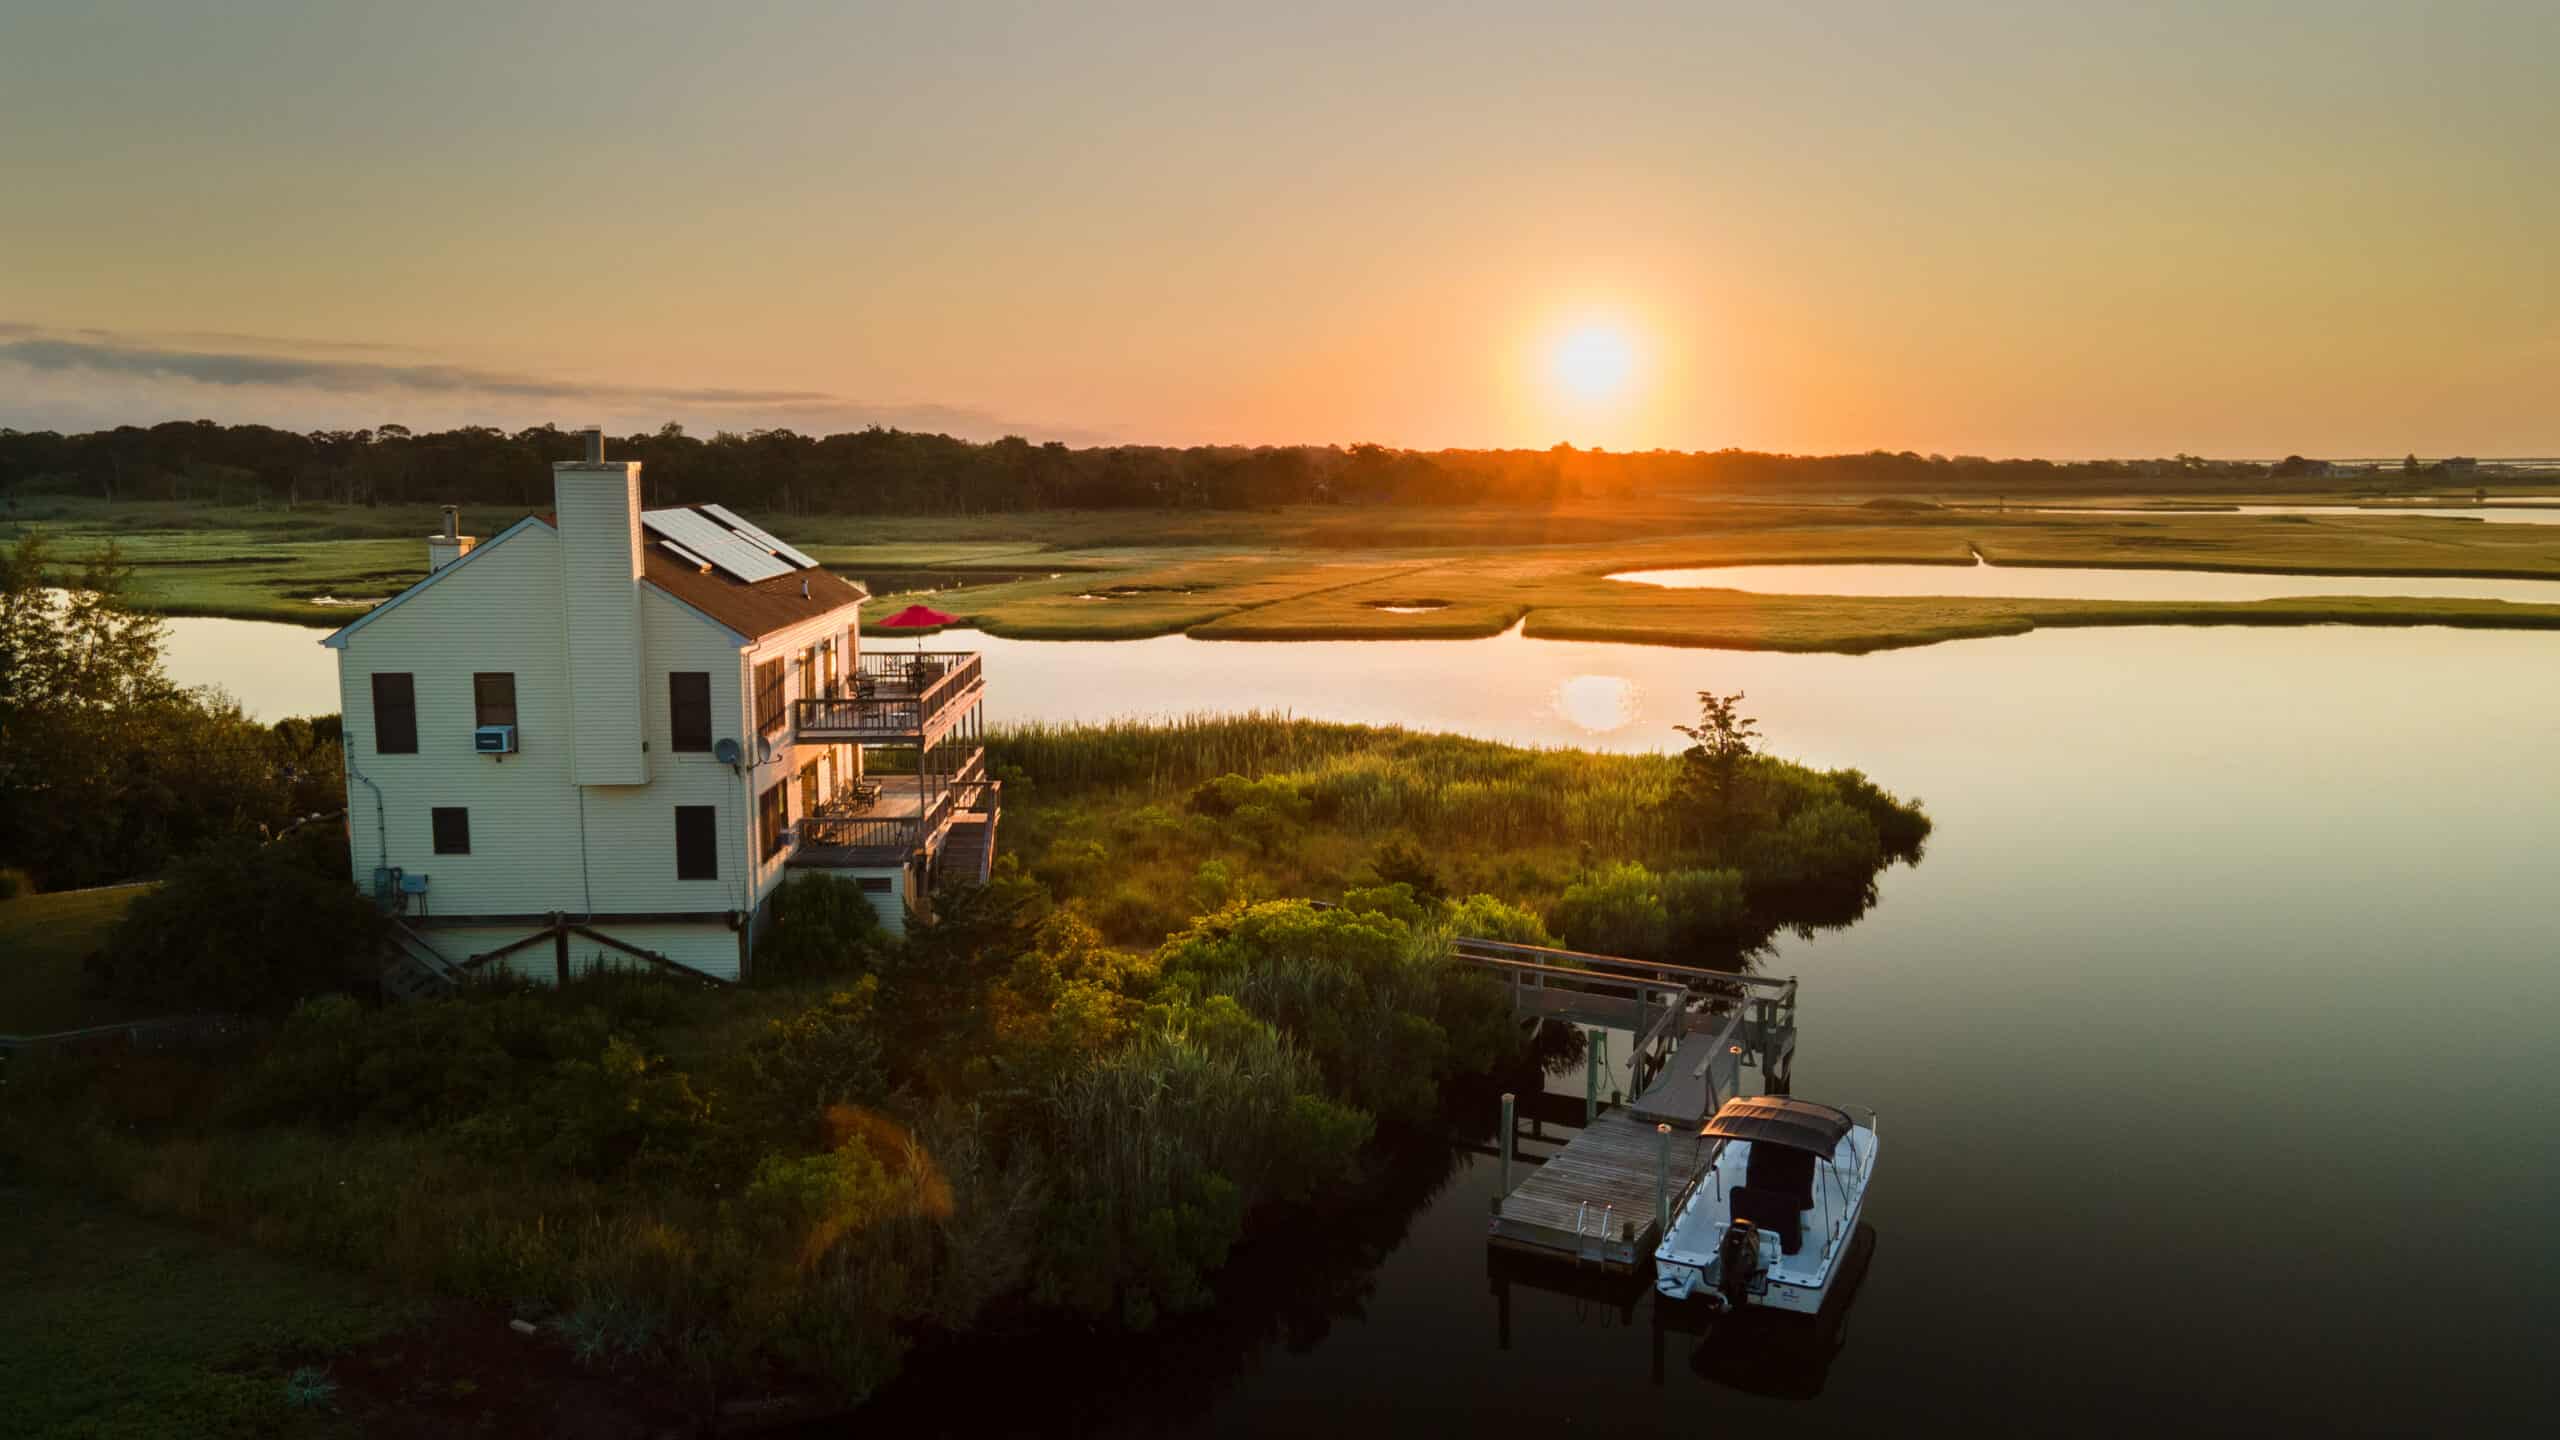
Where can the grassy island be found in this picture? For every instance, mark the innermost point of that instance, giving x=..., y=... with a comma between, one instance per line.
x=1069, y=1100
x=1398, y=571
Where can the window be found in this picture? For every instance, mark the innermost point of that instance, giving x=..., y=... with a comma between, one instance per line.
x=453, y=829
x=873, y=884
x=493, y=698
x=770, y=821
x=689, y=709
x=697, y=842
x=395, y=715
x=768, y=696
x=809, y=788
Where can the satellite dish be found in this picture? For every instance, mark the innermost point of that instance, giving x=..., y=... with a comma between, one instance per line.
x=764, y=749
x=726, y=752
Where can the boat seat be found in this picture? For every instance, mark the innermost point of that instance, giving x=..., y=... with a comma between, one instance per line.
x=1787, y=1172
x=1772, y=1210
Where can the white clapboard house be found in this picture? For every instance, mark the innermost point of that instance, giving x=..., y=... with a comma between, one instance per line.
x=608, y=734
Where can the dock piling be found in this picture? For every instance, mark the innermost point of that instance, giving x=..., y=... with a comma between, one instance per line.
x=1662, y=1179
x=1591, y=1044
x=1509, y=1100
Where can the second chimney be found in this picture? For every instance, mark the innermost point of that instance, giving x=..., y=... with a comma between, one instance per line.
x=450, y=544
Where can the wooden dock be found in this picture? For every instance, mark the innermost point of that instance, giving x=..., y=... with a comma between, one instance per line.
x=1597, y=1201
x=1604, y=1199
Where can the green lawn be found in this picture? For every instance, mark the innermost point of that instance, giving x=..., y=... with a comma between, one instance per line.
x=116, y=1326
x=42, y=940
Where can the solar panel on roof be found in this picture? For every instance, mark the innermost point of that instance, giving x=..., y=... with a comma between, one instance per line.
x=681, y=553
x=714, y=542
x=758, y=534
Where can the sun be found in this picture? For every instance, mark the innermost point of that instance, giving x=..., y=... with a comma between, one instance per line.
x=1594, y=362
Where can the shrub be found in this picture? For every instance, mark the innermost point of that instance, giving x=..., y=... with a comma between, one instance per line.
x=1482, y=917
x=820, y=927
x=15, y=882
x=1133, y=912
x=1370, y=998
x=1073, y=867
x=620, y=1108
x=1827, y=848
x=826, y=1055
x=1213, y=886
x=1402, y=862
x=1709, y=912
x=1615, y=910
x=245, y=928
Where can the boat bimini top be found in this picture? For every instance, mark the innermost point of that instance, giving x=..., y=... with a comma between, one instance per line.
x=1781, y=1121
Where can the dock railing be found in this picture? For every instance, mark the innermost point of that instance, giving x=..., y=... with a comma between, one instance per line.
x=1656, y=1001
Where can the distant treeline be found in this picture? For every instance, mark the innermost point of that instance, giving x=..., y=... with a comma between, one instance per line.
x=880, y=471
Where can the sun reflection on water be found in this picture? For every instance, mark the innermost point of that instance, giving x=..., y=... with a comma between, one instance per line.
x=1598, y=704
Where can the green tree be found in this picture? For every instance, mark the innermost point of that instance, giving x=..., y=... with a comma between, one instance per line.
x=1711, y=769
x=820, y=926
x=107, y=770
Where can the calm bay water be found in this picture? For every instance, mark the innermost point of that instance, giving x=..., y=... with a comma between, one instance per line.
x=2214, y=1042
x=2518, y=510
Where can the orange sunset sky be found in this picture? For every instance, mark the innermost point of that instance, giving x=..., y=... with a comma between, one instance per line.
x=2067, y=230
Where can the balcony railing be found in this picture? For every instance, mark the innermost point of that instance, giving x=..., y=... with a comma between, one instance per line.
x=892, y=696
x=886, y=839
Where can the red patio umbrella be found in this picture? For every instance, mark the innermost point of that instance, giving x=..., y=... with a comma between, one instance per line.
x=918, y=618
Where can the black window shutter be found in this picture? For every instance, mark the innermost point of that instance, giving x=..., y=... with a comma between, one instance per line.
x=395, y=714
x=689, y=709
x=452, y=825
x=697, y=842
x=493, y=698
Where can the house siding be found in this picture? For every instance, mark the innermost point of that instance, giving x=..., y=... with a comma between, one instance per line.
x=710, y=947
x=889, y=904
x=493, y=615
x=542, y=843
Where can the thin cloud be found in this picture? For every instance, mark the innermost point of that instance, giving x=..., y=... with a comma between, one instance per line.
x=327, y=378
x=218, y=367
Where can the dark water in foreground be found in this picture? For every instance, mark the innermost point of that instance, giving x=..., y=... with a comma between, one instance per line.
x=2216, y=1040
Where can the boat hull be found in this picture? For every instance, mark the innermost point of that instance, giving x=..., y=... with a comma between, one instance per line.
x=1688, y=1267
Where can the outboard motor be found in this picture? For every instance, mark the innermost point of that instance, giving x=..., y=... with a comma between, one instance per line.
x=1738, y=1265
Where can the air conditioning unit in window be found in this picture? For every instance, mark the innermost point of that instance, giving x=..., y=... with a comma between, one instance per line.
x=494, y=740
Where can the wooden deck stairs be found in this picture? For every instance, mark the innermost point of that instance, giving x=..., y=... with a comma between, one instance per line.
x=412, y=969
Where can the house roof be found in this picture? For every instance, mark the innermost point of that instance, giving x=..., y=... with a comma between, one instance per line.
x=756, y=610
x=750, y=611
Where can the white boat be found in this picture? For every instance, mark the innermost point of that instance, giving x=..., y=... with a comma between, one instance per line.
x=1769, y=1219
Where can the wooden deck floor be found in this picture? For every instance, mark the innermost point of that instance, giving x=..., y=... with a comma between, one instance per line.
x=1594, y=1200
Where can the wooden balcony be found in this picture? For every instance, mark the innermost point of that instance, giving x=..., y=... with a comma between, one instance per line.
x=859, y=830
x=894, y=698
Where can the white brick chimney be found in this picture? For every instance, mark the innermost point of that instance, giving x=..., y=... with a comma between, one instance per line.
x=450, y=544
x=598, y=504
